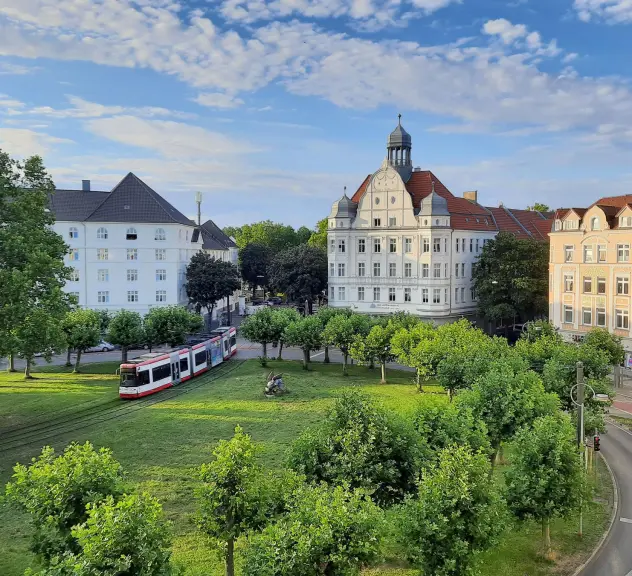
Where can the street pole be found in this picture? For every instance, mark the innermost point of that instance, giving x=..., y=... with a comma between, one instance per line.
x=580, y=433
x=228, y=308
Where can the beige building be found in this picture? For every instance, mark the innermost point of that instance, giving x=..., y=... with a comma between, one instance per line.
x=590, y=268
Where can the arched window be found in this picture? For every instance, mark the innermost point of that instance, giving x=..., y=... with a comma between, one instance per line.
x=160, y=234
x=73, y=232
x=131, y=234
x=437, y=222
x=102, y=234
x=594, y=223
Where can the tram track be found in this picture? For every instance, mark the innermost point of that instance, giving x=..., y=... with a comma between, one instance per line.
x=72, y=421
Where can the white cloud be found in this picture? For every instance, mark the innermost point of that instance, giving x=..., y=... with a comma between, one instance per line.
x=507, y=31
x=168, y=138
x=8, y=69
x=218, y=100
x=23, y=142
x=612, y=11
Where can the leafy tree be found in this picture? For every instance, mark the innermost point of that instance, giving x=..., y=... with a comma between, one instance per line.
x=417, y=347
x=403, y=320
x=277, y=237
x=55, y=491
x=361, y=445
x=376, y=345
x=232, y=498
x=83, y=331
x=104, y=320
x=540, y=329
x=300, y=272
x=327, y=531
x=254, y=261
x=325, y=314
x=342, y=330
x=209, y=281
x=545, y=479
x=170, y=325
x=319, y=238
x=538, y=344
x=307, y=334
x=442, y=425
x=303, y=234
x=539, y=207
x=32, y=269
x=601, y=339
x=283, y=318
x=456, y=515
x=506, y=398
x=261, y=327
x=511, y=278
x=125, y=330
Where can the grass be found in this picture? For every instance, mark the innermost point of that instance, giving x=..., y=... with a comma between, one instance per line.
x=162, y=445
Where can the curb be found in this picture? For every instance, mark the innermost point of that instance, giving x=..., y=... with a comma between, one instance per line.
x=606, y=534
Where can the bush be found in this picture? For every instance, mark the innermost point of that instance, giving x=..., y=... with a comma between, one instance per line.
x=601, y=339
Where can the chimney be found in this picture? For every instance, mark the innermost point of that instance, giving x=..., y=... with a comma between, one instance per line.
x=85, y=185
x=471, y=196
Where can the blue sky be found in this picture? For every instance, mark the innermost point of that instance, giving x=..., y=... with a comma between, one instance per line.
x=270, y=107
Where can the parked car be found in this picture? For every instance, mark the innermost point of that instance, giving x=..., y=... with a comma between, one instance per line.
x=274, y=301
x=102, y=346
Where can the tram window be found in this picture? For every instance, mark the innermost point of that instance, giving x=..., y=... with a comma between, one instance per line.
x=161, y=372
x=200, y=358
x=184, y=364
x=233, y=341
x=143, y=377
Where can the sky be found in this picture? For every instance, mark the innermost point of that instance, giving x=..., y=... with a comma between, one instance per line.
x=271, y=107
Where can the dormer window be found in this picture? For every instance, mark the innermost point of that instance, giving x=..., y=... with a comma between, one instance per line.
x=131, y=234
x=594, y=223
x=625, y=221
x=558, y=225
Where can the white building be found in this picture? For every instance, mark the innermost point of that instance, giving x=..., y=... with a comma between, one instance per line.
x=404, y=242
x=129, y=247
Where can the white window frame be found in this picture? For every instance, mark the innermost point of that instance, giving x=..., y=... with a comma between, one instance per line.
x=623, y=285
x=131, y=234
x=361, y=245
x=377, y=246
x=392, y=269
x=341, y=246
x=103, y=275
x=132, y=254
x=341, y=269
x=425, y=271
x=436, y=245
x=103, y=254
x=424, y=296
x=160, y=235
x=408, y=245
x=569, y=283
x=74, y=275
x=407, y=295
x=103, y=297
x=408, y=270
x=623, y=252
x=436, y=270
x=391, y=294
x=342, y=295
x=600, y=313
x=587, y=316
x=589, y=255
x=361, y=269
x=587, y=281
x=377, y=222
x=569, y=253
x=361, y=293
x=132, y=275
x=73, y=232
x=425, y=245
x=622, y=319
x=392, y=246
x=132, y=296
x=102, y=233
x=161, y=296
x=161, y=254
x=436, y=295
x=602, y=250
x=376, y=294
x=601, y=282
x=332, y=269
x=565, y=309
x=377, y=267
x=161, y=275
x=392, y=221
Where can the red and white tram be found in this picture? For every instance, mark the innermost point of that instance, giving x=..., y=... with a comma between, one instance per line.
x=153, y=372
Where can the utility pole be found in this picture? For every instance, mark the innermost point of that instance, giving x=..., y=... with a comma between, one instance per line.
x=581, y=392
x=198, y=201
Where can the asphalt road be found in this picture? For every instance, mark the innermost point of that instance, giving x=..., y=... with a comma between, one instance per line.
x=615, y=558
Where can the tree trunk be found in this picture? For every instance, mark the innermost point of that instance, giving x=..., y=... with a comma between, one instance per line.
x=77, y=360
x=344, y=363
x=492, y=460
x=305, y=359
x=27, y=370
x=327, y=360
x=372, y=364
x=546, y=536
x=265, y=350
x=383, y=380
x=230, y=557
x=419, y=384
x=280, y=351
x=310, y=306
x=11, y=366
x=68, y=362
x=123, y=354
x=450, y=394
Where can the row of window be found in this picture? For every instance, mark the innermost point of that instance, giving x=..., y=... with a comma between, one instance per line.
x=460, y=244
x=621, y=317
x=131, y=234
x=459, y=295
x=459, y=270
x=623, y=253
x=132, y=275
x=622, y=284
x=624, y=222
x=103, y=296
x=103, y=254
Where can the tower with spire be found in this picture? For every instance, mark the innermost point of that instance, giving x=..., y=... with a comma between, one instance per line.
x=398, y=149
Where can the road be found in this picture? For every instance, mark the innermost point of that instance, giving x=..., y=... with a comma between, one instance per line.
x=615, y=558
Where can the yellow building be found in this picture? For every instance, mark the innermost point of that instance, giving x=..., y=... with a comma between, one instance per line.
x=590, y=267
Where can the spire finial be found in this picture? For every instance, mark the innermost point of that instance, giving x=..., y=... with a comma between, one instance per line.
x=399, y=119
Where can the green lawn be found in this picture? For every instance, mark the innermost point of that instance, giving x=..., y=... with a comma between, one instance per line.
x=162, y=445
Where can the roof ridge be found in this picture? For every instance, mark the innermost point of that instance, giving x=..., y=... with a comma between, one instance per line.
x=153, y=195
x=510, y=213
x=109, y=194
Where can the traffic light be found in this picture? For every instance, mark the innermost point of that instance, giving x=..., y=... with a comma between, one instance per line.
x=596, y=443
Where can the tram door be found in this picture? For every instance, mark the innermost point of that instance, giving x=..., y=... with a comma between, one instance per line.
x=175, y=368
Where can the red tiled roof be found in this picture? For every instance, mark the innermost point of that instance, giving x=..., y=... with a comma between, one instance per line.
x=616, y=201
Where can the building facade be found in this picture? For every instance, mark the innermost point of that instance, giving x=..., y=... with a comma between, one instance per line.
x=129, y=247
x=590, y=268
x=404, y=242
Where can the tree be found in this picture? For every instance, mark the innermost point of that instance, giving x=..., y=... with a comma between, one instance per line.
x=125, y=330
x=300, y=272
x=232, y=499
x=104, y=319
x=319, y=238
x=545, y=479
x=375, y=345
x=417, y=348
x=170, y=325
x=277, y=237
x=32, y=270
x=538, y=344
x=362, y=445
x=507, y=397
x=601, y=339
x=342, y=330
x=325, y=314
x=209, y=281
x=254, y=260
x=327, y=531
x=303, y=234
x=129, y=536
x=55, y=491
x=539, y=207
x=456, y=515
x=511, y=278
x=83, y=331
x=262, y=328
x=307, y=334
x=283, y=318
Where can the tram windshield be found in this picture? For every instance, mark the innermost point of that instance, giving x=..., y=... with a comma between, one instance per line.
x=129, y=378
